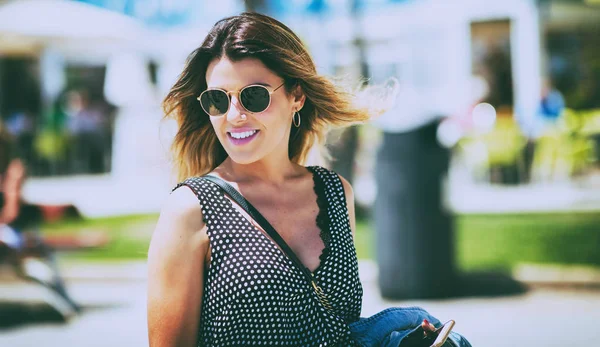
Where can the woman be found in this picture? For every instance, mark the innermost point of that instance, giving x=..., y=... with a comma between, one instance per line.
x=206, y=291
x=250, y=105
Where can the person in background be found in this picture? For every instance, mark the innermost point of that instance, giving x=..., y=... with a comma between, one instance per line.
x=12, y=175
x=87, y=127
x=20, y=241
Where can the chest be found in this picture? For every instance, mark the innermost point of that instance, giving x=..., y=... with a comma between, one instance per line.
x=293, y=214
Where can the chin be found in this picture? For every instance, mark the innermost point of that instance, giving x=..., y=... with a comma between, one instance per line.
x=243, y=159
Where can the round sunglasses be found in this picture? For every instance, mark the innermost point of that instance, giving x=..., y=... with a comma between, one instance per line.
x=254, y=98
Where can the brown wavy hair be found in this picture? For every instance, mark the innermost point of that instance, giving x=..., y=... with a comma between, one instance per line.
x=196, y=148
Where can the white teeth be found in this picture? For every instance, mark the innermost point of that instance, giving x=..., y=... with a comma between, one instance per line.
x=243, y=135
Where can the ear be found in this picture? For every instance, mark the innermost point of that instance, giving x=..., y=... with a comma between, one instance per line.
x=298, y=98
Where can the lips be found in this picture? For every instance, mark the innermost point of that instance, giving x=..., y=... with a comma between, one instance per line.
x=242, y=136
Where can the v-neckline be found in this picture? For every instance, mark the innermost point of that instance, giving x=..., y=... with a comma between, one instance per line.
x=321, y=214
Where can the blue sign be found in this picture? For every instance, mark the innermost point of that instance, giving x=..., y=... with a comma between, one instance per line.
x=317, y=6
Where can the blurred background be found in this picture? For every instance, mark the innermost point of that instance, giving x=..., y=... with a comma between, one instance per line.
x=477, y=192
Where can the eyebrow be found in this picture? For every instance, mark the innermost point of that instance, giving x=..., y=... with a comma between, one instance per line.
x=263, y=84
x=250, y=84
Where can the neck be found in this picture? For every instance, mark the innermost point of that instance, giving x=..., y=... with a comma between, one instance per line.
x=265, y=171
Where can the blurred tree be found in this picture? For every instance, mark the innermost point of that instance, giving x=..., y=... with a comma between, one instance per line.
x=254, y=5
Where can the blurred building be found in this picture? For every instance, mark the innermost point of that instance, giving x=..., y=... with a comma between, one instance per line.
x=80, y=89
x=518, y=77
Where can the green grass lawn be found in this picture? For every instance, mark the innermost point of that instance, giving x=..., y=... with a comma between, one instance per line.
x=129, y=236
x=503, y=241
x=483, y=241
x=500, y=242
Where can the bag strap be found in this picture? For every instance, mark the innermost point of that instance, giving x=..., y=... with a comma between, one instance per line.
x=262, y=221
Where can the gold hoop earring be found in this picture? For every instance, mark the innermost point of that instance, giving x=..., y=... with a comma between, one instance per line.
x=296, y=123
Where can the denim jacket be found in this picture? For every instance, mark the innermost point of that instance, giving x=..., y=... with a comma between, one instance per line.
x=389, y=327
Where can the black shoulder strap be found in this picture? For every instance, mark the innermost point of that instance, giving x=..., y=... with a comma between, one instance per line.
x=262, y=221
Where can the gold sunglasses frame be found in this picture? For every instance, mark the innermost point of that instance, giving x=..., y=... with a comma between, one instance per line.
x=238, y=92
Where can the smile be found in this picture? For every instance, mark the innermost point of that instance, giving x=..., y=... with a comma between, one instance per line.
x=242, y=137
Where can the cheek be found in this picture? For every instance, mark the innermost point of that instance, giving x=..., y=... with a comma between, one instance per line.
x=216, y=123
x=276, y=122
x=280, y=114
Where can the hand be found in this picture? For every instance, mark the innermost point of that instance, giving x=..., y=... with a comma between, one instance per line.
x=429, y=329
x=422, y=337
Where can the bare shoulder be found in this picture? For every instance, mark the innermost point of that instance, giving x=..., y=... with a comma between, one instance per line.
x=182, y=204
x=180, y=220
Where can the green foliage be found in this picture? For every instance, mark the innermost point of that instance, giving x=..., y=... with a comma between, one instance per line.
x=505, y=142
x=51, y=145
x=566, y=145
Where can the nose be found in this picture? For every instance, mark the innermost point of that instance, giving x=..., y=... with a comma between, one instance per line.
x=234, y=114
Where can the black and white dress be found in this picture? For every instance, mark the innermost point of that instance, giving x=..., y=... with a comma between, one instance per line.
x=254, y=295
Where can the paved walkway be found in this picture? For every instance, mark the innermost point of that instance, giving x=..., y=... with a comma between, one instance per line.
x=115, y=314
x=564, y=197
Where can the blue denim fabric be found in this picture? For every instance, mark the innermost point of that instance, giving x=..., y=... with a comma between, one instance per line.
x=387, y=328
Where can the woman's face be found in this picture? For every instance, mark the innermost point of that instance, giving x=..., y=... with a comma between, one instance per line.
x=249, y=137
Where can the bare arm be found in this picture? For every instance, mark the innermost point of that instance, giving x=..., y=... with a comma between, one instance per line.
x=12, y=184
x=175, y=272
x=350, y=204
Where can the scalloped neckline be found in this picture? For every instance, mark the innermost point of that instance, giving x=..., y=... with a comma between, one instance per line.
x=322, y=220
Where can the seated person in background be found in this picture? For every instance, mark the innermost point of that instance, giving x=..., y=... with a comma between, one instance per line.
x=20, y=240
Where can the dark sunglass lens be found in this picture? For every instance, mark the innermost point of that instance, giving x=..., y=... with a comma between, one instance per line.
x=255, y=98
x=215, y=102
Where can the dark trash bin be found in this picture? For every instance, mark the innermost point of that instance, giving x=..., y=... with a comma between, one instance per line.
x=414, y=234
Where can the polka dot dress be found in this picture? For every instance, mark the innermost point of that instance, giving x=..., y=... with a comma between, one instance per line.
x=254, y=295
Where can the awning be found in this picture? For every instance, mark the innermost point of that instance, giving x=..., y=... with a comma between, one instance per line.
x=27, y=24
